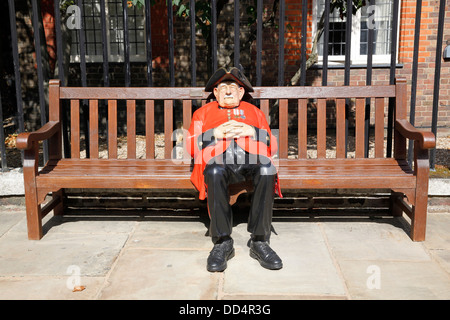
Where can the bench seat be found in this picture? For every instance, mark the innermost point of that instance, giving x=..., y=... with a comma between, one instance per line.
x=168, y=174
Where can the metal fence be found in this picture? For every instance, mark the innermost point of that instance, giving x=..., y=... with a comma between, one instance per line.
x=214, y=60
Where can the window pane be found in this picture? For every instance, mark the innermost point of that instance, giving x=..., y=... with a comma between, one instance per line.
x=93, y=34
x=336, y=45
x=379, y=18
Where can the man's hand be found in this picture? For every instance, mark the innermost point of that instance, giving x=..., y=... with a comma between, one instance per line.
x=233, y=129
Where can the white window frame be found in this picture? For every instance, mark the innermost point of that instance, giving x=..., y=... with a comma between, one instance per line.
x=120, y=58
x=355, y=57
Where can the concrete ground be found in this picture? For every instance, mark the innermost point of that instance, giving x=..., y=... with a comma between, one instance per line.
x=163, y=256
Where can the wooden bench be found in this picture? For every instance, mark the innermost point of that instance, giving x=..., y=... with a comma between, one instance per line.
x=408, y=186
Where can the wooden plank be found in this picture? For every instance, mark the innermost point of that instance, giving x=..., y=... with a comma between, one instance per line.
x=128, y=182
x=379, y=127
x=325, y=182
x=302, y=128
x=187, y=115
x=135, y=93
x=93, y=129
x=283, y=128
x=55, y=143
x=264, y=105
x=400, y=113
x=351, y=162
x=112, y=129
x=131, y=129
x=340, y=128
x=321, y=128
x=359, y=130
x=340, y=162
x=149, y=129
x=168, y=128
x=75, y=129
x=164, y=93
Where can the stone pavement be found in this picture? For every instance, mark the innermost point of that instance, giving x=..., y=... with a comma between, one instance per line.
x=163, y=255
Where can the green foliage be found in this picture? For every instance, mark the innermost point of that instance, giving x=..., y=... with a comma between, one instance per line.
x=341, y=5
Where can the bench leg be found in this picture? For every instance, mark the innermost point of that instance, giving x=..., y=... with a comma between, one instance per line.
x=419, y=212
x=34, y=215
x=59, y=208
x=396, y=211
x=419, y=219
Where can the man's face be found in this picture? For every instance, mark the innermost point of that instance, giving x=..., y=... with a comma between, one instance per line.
x=228, y=94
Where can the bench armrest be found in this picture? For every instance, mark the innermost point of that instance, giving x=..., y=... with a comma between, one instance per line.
x=426, y=140
x=25, y=139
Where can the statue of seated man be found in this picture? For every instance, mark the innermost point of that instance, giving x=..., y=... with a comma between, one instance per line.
x=231, y=142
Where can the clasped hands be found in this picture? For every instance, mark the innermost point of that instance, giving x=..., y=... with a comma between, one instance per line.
x=233, y=130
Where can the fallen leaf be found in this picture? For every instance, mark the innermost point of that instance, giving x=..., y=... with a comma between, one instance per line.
x=78, y=288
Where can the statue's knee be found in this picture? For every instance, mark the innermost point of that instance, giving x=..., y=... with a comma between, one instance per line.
x=214, y=171
x=267, y=169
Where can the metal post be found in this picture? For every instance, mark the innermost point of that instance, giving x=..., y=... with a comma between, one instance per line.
x=412, y=114
x=437, y=78
x=40, y=69
x=281, y=44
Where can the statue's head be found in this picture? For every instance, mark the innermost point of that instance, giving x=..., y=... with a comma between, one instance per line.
x=229, y=87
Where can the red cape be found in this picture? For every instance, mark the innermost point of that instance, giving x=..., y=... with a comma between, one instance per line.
x=211, y=116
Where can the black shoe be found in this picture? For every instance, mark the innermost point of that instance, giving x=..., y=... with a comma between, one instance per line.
x=219, y=255
x=267, y=258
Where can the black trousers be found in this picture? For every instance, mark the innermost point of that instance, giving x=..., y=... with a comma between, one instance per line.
x=234, y=166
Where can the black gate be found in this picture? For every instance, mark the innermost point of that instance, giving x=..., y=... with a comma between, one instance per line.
x=254, y=9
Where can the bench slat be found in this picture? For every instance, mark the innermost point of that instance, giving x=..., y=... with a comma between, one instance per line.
x=340, y=128
x=321, y=129
x=187, y=117
x=302, y=128
x=283, y=128
x=264, y=106
x=112, y=129
x=166, y=93
x=131, y=129
x=168, y=128
x=75, y=128
x=93, y=129
x=359, y=132
x=379, y=127
x=149, y=129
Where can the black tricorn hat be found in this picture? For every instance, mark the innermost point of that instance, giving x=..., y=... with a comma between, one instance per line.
x=234, y=74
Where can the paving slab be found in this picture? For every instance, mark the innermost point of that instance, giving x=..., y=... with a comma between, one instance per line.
x=144, y=273
x=9, y=217
x=438, y=239
x=48, y=288
x=381, y=239
x=171, y=234
x=308, y=268
x=395, y=280
x=55, y=253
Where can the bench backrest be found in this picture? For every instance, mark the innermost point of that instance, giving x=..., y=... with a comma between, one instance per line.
x=287, y=100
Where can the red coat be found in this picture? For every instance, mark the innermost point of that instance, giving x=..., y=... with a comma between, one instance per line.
x=211, y=116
